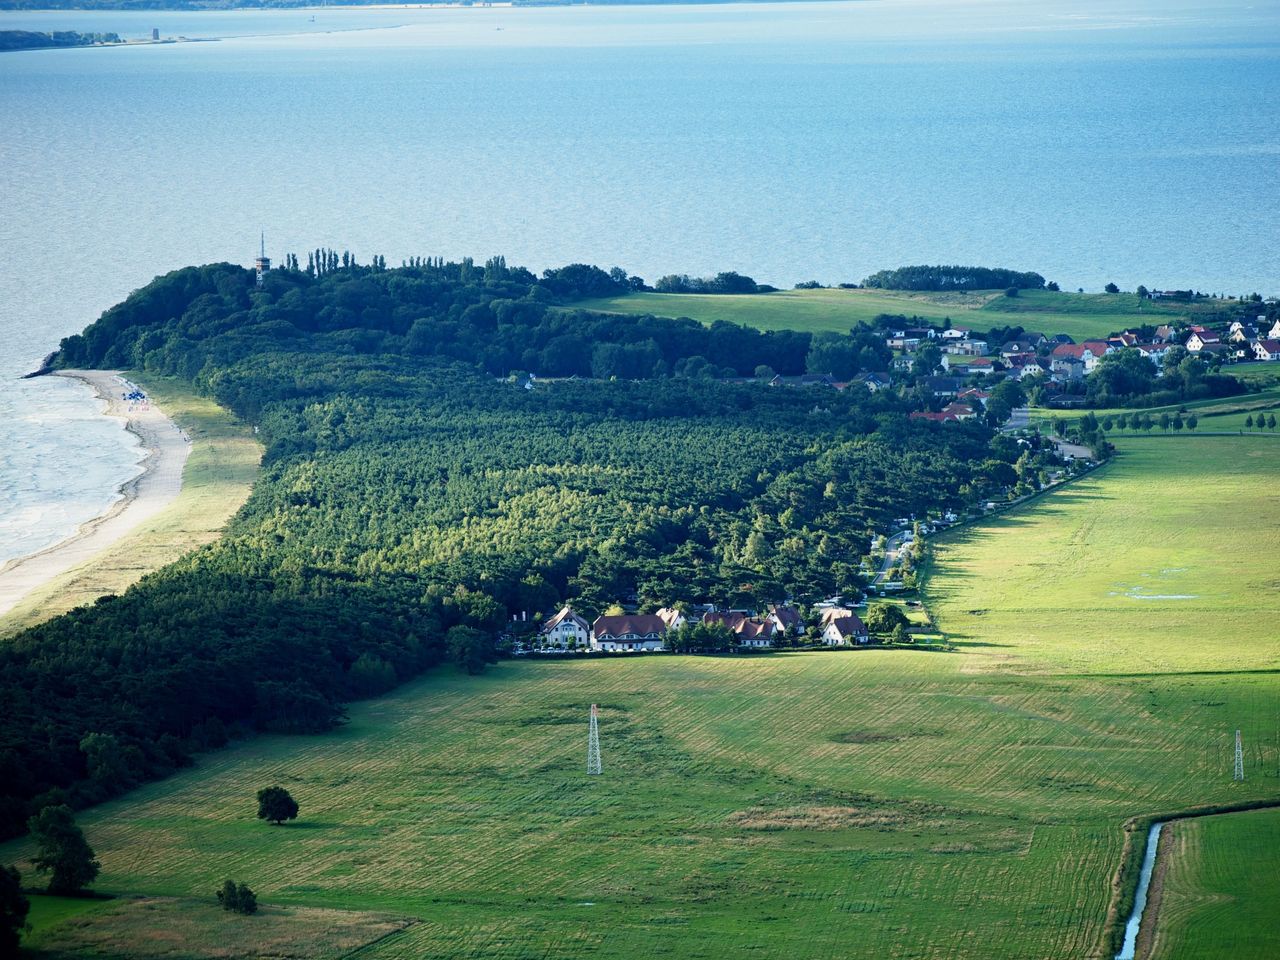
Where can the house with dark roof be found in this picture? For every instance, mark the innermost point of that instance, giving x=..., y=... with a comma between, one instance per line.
x=628, y=632
x=943, y=386
x=748, y=630
x=873, y=381
x=1268, y=350
x=786, y=618
x=846, y=631
x=1200, y=339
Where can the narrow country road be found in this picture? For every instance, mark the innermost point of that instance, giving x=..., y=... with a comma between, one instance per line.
x=891, y=548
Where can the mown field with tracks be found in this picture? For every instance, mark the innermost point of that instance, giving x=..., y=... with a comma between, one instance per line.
x=876, y=803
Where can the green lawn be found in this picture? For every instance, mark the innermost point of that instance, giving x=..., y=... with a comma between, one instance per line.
x=1079, y=315
x=843, y=804
x=1221, y=894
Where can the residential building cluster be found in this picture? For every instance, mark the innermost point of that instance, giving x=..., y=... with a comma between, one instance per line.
x=568, y=632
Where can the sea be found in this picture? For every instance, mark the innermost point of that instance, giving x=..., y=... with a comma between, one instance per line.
x=1091, y=140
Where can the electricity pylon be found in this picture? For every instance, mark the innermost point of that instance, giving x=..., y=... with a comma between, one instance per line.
x=1239, y=774
x=593, y=745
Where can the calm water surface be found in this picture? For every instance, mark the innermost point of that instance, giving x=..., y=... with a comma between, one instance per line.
x=1134, y=142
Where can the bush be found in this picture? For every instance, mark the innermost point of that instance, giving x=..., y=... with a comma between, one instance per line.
x=13, y=910
x=237, y=898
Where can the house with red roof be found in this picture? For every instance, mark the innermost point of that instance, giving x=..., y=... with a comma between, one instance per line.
x=628, y=632
x=749, y=631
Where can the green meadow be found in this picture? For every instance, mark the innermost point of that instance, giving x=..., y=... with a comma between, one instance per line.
x=869, y=803
x=1214, y=901
x=1079, y=315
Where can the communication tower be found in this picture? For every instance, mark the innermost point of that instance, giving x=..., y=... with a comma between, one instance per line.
x=593, y=745
x=1239, y=774
x=262, y=264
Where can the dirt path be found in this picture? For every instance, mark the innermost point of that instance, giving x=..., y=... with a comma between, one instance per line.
x=145, y=496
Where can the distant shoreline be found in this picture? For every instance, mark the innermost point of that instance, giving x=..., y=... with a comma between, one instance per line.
x=141, y=497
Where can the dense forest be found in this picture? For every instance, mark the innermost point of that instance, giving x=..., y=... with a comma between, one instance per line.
x=938, y=278
x=415, y=497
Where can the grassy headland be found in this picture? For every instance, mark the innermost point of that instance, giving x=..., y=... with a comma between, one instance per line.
x=1078, y=315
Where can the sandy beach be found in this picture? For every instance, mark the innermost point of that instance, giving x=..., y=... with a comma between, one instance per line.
x=143, y=497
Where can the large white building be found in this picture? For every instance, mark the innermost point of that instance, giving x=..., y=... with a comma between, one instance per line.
x=566, y=631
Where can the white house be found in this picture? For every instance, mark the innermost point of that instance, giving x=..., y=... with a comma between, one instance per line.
x=673, y=618
x=1200, y=339
x=1274, y=332
x=1267, y=350
x=786, y=619
x=749, y=631
x=628, y=632
x=955, y=333
x=846, y=631
x=566, y=631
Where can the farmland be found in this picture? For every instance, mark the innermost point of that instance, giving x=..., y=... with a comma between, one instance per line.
x=1215, y=902
x=1079, y=315
x=876, y=803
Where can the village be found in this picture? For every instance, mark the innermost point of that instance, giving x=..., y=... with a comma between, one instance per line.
x=833, y=625
x=971, y=363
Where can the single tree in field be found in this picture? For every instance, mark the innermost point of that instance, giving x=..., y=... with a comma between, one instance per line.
x=1108, y=424
x=237, y=898
x=1192, y=422
x=899, y=634
x=1122, y=422
x=276, y=806
x=13, y=910
x=1248, y=422
x=1271, y=422
x=1111, y=288
x=62, y=851
x=1177, y=422
x=1164, y=421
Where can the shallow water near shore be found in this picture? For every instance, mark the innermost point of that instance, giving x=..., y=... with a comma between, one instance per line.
x=1090, y=141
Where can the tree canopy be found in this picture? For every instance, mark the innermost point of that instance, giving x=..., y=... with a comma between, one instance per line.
x=413, y=499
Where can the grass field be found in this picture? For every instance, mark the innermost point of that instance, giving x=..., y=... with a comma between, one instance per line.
x=161, y=927
x=843, y=804
x=1078, y=315
x=216, y=480
x=1216, y=902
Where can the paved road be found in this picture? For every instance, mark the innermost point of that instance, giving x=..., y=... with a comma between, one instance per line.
x=891, y=548
x=1020, y=419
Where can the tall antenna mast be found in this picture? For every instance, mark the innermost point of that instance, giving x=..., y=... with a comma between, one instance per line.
x=262, y=249
x=593, y=745
x=1239, y=774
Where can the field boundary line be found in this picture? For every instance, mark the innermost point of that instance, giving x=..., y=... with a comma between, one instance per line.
x=377, y=941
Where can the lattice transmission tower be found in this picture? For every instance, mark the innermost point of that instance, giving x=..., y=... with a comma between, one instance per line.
x=593, y=744
x=1239, y=774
